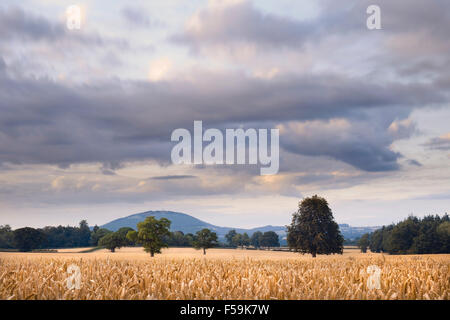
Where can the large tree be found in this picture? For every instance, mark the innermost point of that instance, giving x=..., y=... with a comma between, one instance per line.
x=313, y=229
x=205, y=239
x=150, y=234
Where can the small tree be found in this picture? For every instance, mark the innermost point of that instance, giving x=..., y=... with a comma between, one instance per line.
x=229, y=237
x=363, y=242
x=84, y=234
x=150, y=234
x=6, y=237
x=112, y=241
x=313, y=229
x=189, y=239
x=27, y=239
x=122, y=232
x=256, y=238
x=237, y=240
x=270, y=239
x=98, y=234
x=205, y=239
x=245, y=241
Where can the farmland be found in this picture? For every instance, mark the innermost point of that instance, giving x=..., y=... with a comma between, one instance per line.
x=184, y=273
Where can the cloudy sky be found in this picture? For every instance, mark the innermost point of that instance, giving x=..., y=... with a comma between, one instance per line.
x=86, y=115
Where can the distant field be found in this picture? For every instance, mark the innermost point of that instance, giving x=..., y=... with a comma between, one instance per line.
x=184, y=273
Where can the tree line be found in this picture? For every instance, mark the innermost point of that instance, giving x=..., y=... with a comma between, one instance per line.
x=258, y=239
x=312, y=230
x=28, y=239
x=413, y=235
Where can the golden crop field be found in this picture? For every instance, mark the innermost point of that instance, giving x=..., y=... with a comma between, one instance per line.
x=130, y=273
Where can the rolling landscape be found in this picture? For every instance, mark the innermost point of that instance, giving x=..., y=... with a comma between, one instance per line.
x=120, y=267
x=188, y=224
x=224, y=154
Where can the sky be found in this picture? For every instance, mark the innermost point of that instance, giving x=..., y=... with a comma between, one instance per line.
x=86, y=115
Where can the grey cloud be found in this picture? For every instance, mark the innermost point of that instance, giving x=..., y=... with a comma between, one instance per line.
x=414, y=163
x=313, y=178
x=439, y=143
x=112, y=165
x=107, y=172
x=414, y=34
x=45, y=122
x=108, y=167
x=173, y=177
x=2, y=65
x=14, y=22
x=242, y=22
x=138, y=16
x=436, y=196
x=364, y=145
x=17, y=24
x=344, y=179
x=402, y=129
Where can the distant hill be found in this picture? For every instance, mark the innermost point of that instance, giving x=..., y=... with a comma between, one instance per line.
x=188, y=224
x=183, y=222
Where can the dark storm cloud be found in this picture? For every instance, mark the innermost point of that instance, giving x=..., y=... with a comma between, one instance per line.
x=114, y=122
x=365, y=145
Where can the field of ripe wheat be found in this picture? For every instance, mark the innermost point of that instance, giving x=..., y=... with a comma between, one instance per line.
x=223, y=274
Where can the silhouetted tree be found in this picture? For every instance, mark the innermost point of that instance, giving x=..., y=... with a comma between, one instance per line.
x=84, y=234
x=229, y=237
x=313, y=229
x=431, y=234
x=363, y=242
x=27, y=239
x=6, y=237
x=256, y=238
x=245, y=241
x=270, y=239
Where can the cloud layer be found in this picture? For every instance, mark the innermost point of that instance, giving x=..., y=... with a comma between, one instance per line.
x=93, y=109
